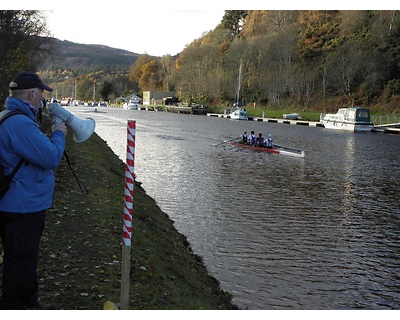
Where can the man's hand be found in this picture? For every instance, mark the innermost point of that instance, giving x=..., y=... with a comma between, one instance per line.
x=60, y=126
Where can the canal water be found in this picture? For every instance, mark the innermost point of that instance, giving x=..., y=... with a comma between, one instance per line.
x=278, y=232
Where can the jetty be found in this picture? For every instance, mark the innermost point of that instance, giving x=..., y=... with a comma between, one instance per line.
x=392, y=128
x=194, y=109
x=274, y=120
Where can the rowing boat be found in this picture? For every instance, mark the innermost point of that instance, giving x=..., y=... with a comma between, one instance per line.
x=276, y=149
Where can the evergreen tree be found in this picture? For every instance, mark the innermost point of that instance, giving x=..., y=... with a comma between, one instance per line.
x=21, y=48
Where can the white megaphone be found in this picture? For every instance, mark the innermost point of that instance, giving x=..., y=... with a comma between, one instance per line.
x=82, y=129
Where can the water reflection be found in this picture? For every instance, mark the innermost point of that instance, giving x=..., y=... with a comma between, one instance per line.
x=349, y=167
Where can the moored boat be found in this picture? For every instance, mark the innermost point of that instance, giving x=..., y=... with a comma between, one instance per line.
x=291, y=116
x=275, y=149
x=239, y=114
x=350, y=119
x=132, y=105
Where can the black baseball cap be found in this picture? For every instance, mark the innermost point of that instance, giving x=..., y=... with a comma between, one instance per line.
x=28, y=80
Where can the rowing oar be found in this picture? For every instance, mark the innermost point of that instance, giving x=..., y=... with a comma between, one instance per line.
x=287, y=148
x=214, y=145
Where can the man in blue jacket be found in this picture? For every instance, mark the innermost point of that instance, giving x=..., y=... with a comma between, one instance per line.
x=23, y=207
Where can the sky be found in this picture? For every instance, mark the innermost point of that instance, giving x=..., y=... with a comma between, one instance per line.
x=156, y=33
x=157, y=27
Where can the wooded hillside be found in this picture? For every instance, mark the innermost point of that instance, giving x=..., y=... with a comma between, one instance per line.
x=84, y=71
x=314, y=60
x=309, y=58
x=87, y=58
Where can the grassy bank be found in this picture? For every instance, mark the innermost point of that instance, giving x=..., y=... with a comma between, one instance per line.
x=80, y=265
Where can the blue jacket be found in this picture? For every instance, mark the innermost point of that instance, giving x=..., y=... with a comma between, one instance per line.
x=32, y=188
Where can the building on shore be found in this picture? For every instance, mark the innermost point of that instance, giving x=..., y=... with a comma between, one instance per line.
x=156, y=97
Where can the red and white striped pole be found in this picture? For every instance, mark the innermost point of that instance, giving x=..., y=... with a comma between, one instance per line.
x=129, y=182
x=128, y=210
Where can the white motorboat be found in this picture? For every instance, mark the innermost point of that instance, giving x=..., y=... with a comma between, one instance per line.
x=239, y=114
x=350, y=119
x=132, y=105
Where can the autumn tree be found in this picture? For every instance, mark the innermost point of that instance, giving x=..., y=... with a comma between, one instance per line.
x=136, y=70
x=151, y=78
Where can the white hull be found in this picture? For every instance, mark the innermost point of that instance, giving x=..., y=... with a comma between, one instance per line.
x=131, y=107
x=338, y=125
x=238, y=118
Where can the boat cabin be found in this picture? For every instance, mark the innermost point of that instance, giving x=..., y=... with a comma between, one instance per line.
x=357, y=114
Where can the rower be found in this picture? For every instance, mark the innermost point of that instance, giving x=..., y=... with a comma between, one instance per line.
x=252, y=139
x=260, y=140
x=244, y=137
x=269, y=142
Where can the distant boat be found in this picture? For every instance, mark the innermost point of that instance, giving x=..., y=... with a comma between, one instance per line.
x=239, y=114
x=291, y=116
x=132, y=105
x=354, y=119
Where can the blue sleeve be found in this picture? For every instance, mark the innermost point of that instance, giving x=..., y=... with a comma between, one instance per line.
x=34, y=146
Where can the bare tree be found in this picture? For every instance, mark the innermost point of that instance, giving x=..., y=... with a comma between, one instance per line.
x=197, y=69
x=167, y=70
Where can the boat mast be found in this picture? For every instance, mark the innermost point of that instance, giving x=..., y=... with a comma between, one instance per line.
x=239, y=84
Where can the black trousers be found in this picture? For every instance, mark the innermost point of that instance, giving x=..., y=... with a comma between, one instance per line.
x=20, y=235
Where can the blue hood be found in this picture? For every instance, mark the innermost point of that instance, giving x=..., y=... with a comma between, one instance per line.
x=18, y=104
